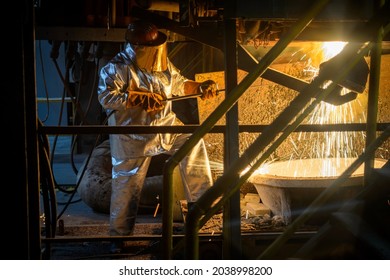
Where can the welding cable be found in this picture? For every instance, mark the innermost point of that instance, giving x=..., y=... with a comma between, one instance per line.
x=98, y=55
x=74, y=191
x=48, y=194
x=69, y=57
x=47, y=185
x=92, y=94
x=69, y=61
x=81, y=80
x=69, y=91
x=98, y=137
x=45, y=194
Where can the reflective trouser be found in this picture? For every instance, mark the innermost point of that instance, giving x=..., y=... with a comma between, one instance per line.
x=128, y=177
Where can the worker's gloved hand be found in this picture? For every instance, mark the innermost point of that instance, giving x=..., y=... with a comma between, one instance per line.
x=208, y=89
x=147, y=100
x=153, y=102
x=134, y=99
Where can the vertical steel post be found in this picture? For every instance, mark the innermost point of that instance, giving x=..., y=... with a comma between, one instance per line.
x=231, y=210
x=373, y=95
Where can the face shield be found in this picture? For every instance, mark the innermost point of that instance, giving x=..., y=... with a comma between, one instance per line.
x=151, y=58
x=149, y=45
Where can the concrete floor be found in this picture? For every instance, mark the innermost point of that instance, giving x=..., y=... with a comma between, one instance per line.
x=83, y=233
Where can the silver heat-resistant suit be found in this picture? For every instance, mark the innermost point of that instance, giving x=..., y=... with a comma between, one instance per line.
x=131, y=153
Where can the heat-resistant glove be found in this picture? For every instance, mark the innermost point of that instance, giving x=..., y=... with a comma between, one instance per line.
x=208, y=89
x=147, y=100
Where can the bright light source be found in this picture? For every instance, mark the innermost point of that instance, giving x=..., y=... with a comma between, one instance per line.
x=330, y=49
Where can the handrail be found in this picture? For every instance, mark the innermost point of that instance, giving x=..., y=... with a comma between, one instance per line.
x=252, y=128
x=225, y=105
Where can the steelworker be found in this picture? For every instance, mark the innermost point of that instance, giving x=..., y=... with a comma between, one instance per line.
x=133, y=88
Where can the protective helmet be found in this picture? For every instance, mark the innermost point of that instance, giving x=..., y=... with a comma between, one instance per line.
x=144, y=33
x=149, y=45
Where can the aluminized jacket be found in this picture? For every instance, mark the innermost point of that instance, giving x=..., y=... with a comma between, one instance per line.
x=122, y=74
x=131, y=153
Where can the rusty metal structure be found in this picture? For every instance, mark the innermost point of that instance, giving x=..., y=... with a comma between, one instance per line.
x=225, y=26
